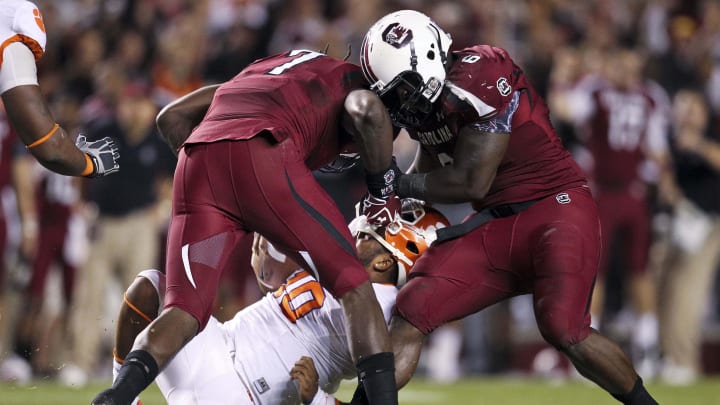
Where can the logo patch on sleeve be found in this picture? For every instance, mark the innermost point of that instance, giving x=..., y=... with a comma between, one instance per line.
x=503, y=86
x=397, y=35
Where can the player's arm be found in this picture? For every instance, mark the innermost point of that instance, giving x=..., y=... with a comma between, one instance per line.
x=30, y=117
x=177, y=119
x=367, y=119
x=475, y=161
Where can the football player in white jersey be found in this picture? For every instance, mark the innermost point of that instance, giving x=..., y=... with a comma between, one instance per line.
x=291, y=346
x=22, y=43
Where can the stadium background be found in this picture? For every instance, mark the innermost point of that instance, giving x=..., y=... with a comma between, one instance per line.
x=122, y=60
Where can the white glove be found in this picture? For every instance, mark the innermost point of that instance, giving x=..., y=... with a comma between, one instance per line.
x=103, y=153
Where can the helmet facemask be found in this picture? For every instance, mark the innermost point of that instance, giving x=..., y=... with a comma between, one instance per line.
x=408, y=98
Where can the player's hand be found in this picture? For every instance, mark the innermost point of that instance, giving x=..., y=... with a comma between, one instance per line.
x=305, y=373
x=381, y=211
x=104, y=154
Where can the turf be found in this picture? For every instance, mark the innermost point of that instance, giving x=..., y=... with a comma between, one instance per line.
x=475, y=391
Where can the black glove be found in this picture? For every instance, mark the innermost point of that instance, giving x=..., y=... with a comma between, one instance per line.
x=103, y=153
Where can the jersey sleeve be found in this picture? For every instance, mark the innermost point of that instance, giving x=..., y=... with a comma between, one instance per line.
x=484, y=77
x=30, y=28
x=386, y=296
x=323, y=398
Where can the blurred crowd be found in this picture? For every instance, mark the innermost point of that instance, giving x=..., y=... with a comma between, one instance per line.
x=72, y=246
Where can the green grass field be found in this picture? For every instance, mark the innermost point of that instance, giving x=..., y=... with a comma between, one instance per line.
x=476, y=391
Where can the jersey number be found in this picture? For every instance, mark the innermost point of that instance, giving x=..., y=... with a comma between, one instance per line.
x=304, y=56
x=299, y=296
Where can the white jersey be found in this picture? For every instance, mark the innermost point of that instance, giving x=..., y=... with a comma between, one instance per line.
x=22, y=32
x=21, y=21
x=248, y=359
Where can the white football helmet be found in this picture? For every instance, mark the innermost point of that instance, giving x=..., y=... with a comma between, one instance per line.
x=408, y=236
x=406, y=47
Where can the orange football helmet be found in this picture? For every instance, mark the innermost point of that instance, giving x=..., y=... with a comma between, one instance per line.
x=408, y=236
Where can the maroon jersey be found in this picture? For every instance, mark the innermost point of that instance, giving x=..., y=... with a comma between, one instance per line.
x=617, y=129
x=55, y=199
x=297, y=94
x=487, y=91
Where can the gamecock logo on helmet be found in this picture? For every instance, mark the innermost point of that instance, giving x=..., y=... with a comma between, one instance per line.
x=397, y=35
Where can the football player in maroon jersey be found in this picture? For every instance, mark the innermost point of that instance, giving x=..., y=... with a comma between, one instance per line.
x=536, y=228
x=247, y=166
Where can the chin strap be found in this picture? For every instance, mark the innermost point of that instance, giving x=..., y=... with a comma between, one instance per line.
x=402, y=275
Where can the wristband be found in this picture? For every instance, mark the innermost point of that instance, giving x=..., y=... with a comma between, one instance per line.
x=89, y=166
x=412, y=185
x=384, y=183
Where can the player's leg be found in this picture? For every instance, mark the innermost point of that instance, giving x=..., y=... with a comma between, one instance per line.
x=48, y=326
x=140, y=306
x=29, y=325
x=203, y=372
x=642, y=290
x=202, y=238
x=298, y=217
x=609, y=221
x=450, y=281
x=565, y=259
